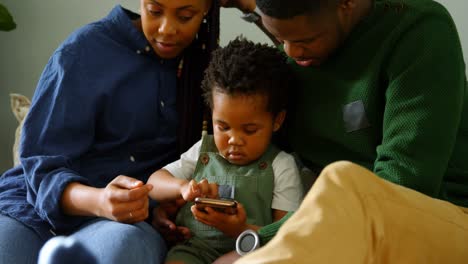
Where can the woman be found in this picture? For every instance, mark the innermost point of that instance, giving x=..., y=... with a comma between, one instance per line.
x=103, y=117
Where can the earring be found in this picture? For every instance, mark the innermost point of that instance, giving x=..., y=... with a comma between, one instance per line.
x=180, y=67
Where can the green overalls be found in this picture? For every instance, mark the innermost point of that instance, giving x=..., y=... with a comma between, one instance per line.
x=252, y=186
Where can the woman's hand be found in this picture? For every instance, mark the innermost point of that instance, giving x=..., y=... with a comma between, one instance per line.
x=163, y=217
x=230, y=224
x=192, y=190
x=245, y=6
x=125, y=200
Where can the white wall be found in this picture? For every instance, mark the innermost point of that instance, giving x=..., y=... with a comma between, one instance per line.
x=458, y=9
x=42, y=25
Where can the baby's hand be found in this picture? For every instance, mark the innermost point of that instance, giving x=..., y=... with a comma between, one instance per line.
x=230, y=224
x=208, y=190
x=192, y=189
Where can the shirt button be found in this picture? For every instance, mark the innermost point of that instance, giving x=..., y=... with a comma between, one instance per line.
x=132, y=159
x=162, y=104
x=138, y=51
x=147, y=48
x=52, y=232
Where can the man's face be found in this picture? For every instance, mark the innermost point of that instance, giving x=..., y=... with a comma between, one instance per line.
x=309, y=40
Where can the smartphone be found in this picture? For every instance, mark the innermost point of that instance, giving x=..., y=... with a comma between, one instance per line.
x=228, y=206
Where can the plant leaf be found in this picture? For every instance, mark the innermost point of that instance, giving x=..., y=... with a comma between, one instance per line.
x=6, y=20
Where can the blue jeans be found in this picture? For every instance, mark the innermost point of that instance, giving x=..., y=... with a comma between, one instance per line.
x=18, y=243
x=98, y=241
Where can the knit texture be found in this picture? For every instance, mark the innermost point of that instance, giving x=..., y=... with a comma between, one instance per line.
x=392, y=99
x=266, y=233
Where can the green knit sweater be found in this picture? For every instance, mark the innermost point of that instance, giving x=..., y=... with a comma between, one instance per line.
x=393, y=98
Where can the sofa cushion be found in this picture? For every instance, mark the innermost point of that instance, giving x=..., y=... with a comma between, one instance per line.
x=19, y=106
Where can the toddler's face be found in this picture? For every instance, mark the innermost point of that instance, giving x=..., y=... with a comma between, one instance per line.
x=242, y=126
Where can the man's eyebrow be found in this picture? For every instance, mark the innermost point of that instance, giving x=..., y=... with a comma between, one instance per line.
x=316, y=36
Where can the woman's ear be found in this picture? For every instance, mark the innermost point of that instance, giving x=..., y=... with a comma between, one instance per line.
x=279, y=119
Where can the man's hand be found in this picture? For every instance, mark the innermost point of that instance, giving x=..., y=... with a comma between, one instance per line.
x=125, y=200
x=230, y=224
x=163, y=221
x=245, y=6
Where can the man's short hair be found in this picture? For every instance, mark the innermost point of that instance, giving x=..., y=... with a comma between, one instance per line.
x=285, y=9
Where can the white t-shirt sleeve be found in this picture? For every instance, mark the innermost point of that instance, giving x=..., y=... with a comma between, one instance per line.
x=287, y=191
x=185, y=166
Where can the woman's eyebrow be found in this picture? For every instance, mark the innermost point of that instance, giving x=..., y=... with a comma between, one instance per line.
x=220, y=121
x=179, y=8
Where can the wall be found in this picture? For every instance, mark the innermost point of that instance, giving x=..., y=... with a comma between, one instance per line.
x=42, y=25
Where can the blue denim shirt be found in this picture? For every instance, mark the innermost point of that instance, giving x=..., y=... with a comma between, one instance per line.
x=105, y=105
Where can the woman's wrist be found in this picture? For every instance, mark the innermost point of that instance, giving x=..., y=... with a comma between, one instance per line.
x=96, y=207
x=81, y=200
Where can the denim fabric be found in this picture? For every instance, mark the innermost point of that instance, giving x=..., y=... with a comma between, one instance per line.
x=113, y=242
x=18, y=243
x=104, y=106
x=99, y=241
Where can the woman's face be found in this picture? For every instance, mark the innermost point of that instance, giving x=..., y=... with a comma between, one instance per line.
x=171, y=25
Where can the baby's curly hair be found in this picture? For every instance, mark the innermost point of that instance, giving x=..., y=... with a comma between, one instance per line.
x=245, y=68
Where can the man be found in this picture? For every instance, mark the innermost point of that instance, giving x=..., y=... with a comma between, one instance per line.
x=383, y=86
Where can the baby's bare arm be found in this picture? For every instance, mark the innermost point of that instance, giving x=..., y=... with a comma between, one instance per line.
x=166, y=186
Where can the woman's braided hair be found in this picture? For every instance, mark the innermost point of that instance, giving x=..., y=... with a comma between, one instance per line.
x=189, y=94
